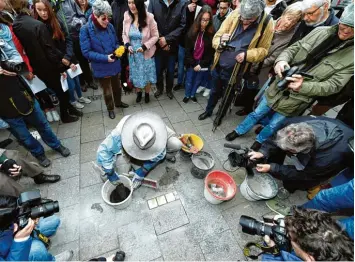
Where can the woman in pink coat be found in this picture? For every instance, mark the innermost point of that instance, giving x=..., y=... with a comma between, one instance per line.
x=140, y=33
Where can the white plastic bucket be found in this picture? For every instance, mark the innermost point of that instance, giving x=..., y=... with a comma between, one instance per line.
x=107, y=189
x=210, y=198
x=225, y=181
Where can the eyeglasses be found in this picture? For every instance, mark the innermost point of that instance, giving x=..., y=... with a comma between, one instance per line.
x=104, y=18
x=312, y=13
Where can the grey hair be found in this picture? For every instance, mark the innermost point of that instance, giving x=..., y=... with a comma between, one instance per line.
x=295, y=10
x=101, y=7
x=251, y=8
x=298, y=137
x=318, y=3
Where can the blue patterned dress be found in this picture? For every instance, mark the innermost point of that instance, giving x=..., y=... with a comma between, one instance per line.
x=141, y=70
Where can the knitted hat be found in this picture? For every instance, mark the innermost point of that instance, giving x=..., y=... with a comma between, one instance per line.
x=347, y=18
x=251, y=8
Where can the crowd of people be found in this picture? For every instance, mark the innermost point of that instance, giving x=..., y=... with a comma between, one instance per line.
x=287, y=58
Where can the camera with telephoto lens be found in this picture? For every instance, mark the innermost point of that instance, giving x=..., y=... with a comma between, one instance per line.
x=28, y=205
x=8, y=65
x=282, y=84
x=276, y=231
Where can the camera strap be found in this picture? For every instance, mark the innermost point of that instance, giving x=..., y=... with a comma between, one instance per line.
x=45, y=240
x=263, y=249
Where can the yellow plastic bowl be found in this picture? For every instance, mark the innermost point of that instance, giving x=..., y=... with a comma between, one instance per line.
x=195, y=140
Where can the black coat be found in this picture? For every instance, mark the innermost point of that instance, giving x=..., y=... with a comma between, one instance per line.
x=38, y=44
x=171, y=21
x=119, y=7
x=208, y=52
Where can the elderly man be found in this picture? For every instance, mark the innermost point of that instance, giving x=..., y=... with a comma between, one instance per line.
x=144, y=137
x=317, y=148
x=327, y=54
x=316, y=13
x=240, y=32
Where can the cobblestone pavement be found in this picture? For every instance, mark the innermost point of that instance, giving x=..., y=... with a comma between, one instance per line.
x=186, y=227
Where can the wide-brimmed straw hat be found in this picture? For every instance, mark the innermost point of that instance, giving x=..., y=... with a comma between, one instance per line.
x=144, y=135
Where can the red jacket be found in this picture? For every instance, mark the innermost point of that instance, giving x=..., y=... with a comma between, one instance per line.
x=20, y=49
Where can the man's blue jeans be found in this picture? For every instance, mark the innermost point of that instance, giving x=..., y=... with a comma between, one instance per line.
x=36, y=119
x=194, y=80
x=47, y=226
x=74, y=86
x=258, y=114
x=334, y=199
x=165, y=61
x=181, y=70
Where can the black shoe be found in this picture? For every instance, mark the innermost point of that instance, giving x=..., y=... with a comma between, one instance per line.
x=158, y=93
x=139, y=97
x=256, y=146
x=204, y=115
x=146, y=98
x=177, y=87
x=54, y=99
x=93, y=86
x=120, y=256
x=170, y=95
x=43, y=178
x=69, y=119
x=5, y=143
x=63, y=150
x=185, y=100
x=231, y=136
x=74, y=112
x=111, y=114
x=193, y=99
x=43, y=160
x=242, y=112
x=122, y=105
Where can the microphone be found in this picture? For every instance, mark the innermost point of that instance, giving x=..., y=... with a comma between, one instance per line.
x=232, y=146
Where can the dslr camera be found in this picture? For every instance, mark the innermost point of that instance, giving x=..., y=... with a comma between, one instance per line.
x=28, y=205
x=276, y=231
x=8, y=65
x=294, y=70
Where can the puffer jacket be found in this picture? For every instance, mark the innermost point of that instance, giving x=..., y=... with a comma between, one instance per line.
x=96, y=44
x=330, y=74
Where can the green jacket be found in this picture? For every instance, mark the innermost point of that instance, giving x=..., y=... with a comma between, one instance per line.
x=331, y=74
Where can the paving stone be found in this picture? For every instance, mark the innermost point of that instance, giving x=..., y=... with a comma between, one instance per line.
x=161, y=200
x=91, y=119
x=73, y=143
x=170, y=197
x=208, y=135
x=152, y=103
x=168, y=105
x=190, y=106
x=68, y=230
x=88, y=176
x=169, y=217
x=94, y=106
x=167, y=123
x=88, y=151
x=152, y=203
x=139, y=241
x=178, y=245
x=30, y=185
x=189, y=189
x=54, y=127
x=66, y=167
x=91, y=202
x=92, y=133
x=65, y=191
x=186, y=127
x=194, y=118
x=222, y=247
x=69, y=130
x=158, y=259
x=55, y=250
x=158, y=110
x=132, y=109
x=136, y=211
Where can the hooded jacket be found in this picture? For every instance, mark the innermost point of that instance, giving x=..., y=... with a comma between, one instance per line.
x=218, y=20
x=326, y=159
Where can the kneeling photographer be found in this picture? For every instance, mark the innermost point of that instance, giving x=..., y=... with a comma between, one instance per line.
x=26, y=224
x=325, y=55
x=305, y=235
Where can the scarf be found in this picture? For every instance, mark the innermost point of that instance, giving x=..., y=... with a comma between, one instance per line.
x=96, y=23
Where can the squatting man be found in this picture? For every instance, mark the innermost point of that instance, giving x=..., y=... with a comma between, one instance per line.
x=142, y=136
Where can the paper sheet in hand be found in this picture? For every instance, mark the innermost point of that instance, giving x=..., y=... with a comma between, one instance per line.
x=36, y=85
x=75, y=73
x=64, y=83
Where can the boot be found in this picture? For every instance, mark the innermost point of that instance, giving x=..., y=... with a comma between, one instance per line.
x=139, y=97
x=146, y=98
x=74, y=112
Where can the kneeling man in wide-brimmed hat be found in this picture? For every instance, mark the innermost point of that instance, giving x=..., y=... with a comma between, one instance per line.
x=143, y=136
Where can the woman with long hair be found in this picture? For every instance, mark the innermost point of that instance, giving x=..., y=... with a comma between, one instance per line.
x=199, y=53
x=44, y=13
x=85, y=7
x=140, y=33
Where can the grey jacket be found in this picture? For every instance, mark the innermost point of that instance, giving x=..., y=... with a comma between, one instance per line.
x=217, y=20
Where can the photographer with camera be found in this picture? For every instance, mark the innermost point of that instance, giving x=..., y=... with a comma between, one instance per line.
x=25, y=227
x=322, y=64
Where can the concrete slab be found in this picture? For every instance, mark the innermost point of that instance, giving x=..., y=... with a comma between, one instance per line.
x=94, y=106
x=65, y=191
x=88, y=176
x=91, y=119
x=66, y=167
x=88, y=151
x=69, y=130
x=92, y=133
x=55, y=250
x=208, y=135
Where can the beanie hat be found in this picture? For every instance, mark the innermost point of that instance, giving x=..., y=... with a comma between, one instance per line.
x=347, y=18
x=251, y=8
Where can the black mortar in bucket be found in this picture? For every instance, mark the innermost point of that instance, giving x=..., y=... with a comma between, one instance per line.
x=202, y=164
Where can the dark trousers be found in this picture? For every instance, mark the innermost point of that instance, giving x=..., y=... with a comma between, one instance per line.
x=111, y=87
x=86, y=76
x=44, y=100
x=165, y=61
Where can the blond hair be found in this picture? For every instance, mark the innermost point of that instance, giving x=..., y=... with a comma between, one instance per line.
x=294, y=10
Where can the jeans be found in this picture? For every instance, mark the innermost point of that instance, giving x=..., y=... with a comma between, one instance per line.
x=194, y=80
x=181, y=71
x=74, y=86
x=36, y=119
x=164, y=60
x=47, y=226
x=258, y=114
x=334, y=199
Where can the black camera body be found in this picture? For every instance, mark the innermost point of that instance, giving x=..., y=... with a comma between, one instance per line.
x=8, y=65
x=28, y=205
x=277, y=232
x=294, y=70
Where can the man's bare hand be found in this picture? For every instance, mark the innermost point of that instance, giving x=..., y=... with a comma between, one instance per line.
x=240, y=57
x=162, y=42
x=6, y=73
x=15, y=170
x=26, y=231
x=192, y=7
x=280, y=67
x=263, y=168
x=296, y=82
x=255, y=155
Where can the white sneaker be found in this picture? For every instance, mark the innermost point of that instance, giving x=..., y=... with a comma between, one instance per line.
x=84, y=100
x=207, y=92
x=200, y=89
x=77, y=105
x=49, y=116
x=65, y=256
x=55, y=115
